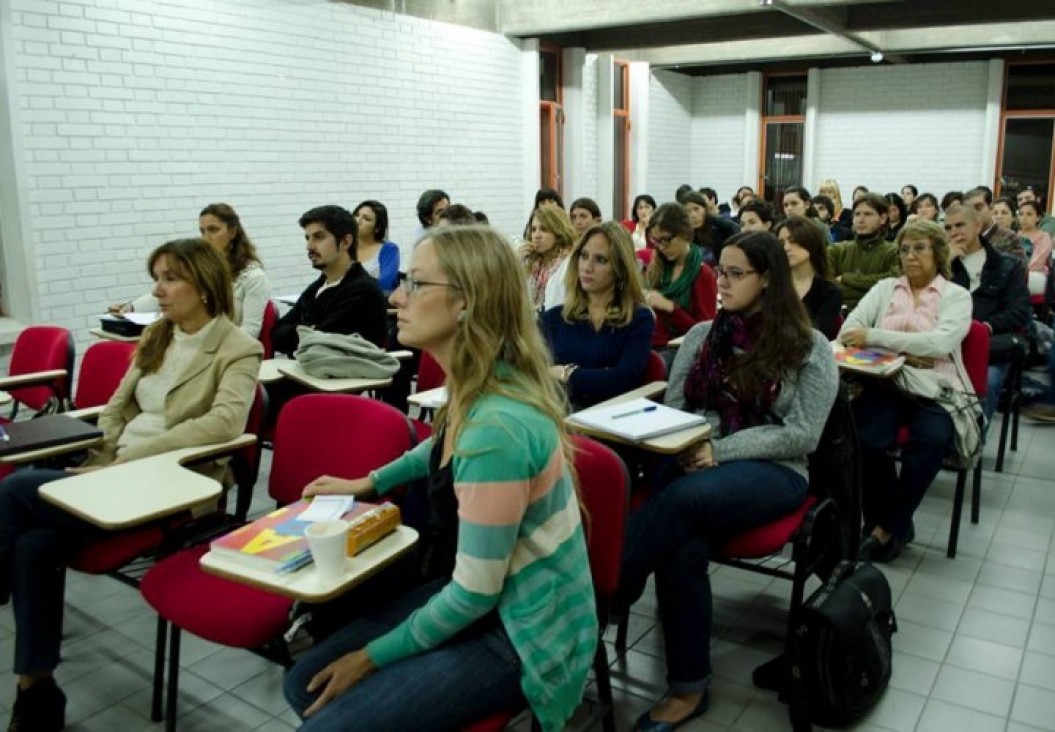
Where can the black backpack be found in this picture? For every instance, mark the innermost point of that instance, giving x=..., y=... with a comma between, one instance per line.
x=841, y=652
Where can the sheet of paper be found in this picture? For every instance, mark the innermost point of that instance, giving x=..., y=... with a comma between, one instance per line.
x=327, y=508
x=141, y=318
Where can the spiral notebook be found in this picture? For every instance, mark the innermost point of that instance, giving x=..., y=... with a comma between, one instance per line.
x=637, y=420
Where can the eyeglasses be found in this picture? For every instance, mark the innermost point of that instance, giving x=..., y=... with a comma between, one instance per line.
x=917, y=249
x=411, y=285
x=735, y=274
x=663, y=240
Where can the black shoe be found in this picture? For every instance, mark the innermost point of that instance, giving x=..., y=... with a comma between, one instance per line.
x=40, y=708
x=873, y=550
x=645, y=723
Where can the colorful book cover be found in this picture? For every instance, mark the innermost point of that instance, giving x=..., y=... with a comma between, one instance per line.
x=868, y=360
x=272, y=539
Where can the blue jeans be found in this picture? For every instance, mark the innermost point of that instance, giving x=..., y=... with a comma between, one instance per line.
x=995, y=377
x=472, y=676
x=675, y=534
x=37, y=538
x=888, y=499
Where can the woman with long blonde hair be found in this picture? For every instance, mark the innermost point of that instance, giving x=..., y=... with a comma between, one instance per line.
x=546, y=255
x=841, y=215
x=601, y=337
x=503, y=610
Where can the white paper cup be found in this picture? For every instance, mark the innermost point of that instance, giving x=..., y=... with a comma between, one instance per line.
x=328, y=542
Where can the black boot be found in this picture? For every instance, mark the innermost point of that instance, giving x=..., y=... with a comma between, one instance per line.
x=40, y=708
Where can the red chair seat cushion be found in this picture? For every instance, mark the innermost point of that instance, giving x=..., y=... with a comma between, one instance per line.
x=492, y=724
x=213, y=608
x=770, y=538
x=1036, y=299
x=116, y=550
x=423, y=430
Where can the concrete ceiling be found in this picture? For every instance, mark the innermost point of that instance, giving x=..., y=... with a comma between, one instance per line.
x=712, y=36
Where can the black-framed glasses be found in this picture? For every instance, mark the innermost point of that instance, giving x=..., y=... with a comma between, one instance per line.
x=735, y=274
x=411, y=285
x=663, y=241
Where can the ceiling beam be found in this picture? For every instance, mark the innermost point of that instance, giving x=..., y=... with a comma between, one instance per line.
x=832, y=21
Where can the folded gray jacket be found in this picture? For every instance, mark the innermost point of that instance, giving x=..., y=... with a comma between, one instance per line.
x=336, y=356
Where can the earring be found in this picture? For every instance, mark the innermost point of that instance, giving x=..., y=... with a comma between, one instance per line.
x=205, y=299
x=461, y=317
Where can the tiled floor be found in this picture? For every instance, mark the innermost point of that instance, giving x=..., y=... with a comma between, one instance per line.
x=975, y=651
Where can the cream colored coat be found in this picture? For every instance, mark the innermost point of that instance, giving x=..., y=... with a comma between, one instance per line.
x=209, y=402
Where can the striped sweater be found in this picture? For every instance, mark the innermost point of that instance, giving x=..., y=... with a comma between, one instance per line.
x=521, y=549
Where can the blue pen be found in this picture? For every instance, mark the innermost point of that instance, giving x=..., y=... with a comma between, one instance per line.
x=635, y=411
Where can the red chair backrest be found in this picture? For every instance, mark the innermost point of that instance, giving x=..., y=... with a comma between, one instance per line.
x=430, y=375
x=342, y=435
x=975, y=353
x=104, y=364
x=270, y=318
x=655, y=369
x=644, y=256
x=604, y=486
x=41, y=348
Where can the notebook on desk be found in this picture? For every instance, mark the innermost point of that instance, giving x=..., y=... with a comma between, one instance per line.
x=43, y=432
x=637, y=420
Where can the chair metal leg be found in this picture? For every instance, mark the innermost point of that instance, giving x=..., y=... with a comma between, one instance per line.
x=159, y=669
x=172, y=701
x=604, y=686
x=976, y=493
x=1005, y=421
x=621, y=630
x=957, y=512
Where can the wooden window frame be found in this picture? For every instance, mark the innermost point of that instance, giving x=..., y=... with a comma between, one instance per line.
x=553, y=113
x=622, y=116
x=1006, y=114
x=765, y=120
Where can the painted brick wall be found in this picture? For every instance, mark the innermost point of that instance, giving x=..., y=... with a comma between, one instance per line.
x=136, y=113
x=670, y=134
x=589, y=93
x=718, y=134
x=886, y=126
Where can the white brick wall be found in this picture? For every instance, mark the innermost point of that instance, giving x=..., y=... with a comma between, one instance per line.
x=718, y=134
x=886, y=126
x=136, y=113
x=670, y=134
x=589, y=93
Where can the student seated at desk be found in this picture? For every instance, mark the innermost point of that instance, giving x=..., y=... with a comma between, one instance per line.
x=601, y=338
x=924, y=315
x=808, y=257
x=502, y=613
x=344, y=299
x=766, y=385
x=220, y=226
x=192, y=383
x=379, y=257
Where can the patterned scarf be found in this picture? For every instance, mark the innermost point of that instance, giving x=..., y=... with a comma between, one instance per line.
x=707, y=386
x=539, y=273
x=680, y=290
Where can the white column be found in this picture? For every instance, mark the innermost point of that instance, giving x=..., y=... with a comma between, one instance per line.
x=605, y=132
x=574, y=129
x=752, y=120
x=640, y=85
x=991, y=135
x=532, y=129
x=809, y=132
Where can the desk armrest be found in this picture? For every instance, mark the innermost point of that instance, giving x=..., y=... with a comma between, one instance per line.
x=191, y=455
x=88, y=414
x=401, y=355
x=35, y=379
x=653, y=390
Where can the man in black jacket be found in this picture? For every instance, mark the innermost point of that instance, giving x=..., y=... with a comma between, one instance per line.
x=997, y=283
x=344, y=299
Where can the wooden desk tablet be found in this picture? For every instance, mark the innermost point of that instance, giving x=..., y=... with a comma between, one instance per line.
x=133, y=493
x=670, y=444
x=292, y=370
x=269, y=372
x=676, y=342
x=5, y=398
x=306, y=584
x=106, y=335
x=430, y=398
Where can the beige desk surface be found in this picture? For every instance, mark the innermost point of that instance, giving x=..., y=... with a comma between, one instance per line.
x=5, y=398
x=306, y=584
x=430, y=398
x=100, y=333
x=676, y=342
x=276, y=369
x=670, y=444
x=32, y=456
x=136, y=492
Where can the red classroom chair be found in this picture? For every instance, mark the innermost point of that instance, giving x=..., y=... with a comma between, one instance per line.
x=270, y=318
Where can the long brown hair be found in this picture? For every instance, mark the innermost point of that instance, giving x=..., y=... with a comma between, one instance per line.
x=785, y=336
x=554, y=220
x=809, y=236
x=241, y=251
x=673, y=219
x=197, y=262
x=627, y=295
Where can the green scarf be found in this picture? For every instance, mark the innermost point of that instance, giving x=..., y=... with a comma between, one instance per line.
x=680, y=290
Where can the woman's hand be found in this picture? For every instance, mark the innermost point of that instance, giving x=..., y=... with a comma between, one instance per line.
x=329, y=484
x=855, y=338
x=697, y=457
x=339, y=677
x=119, y=308
x=657, y=302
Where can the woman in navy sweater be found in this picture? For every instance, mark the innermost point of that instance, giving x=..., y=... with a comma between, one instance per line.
x=601, y=337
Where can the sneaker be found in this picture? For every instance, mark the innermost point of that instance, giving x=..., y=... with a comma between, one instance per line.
x=40, y=708
x=1040, y=412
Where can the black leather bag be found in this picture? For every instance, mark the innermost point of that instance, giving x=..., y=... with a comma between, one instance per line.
x=1007, y=347
x=841, y=660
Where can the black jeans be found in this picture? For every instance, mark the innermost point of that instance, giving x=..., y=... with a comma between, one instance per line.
x=36, y=541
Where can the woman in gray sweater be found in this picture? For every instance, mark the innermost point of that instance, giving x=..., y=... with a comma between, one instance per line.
x=766, y=382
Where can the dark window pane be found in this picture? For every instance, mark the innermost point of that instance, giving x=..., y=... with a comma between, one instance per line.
x=549, y=75
x=785, y=95
x=619, y=100
x=620, y=169
x=1031, y=86
x=783, y=161
x=1027, y=156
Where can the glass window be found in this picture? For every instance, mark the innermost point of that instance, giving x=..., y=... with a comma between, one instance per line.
x=785, y=95
x=1027, y=159
x=1031, y=86
x=622, y=168
x=619, y=84
x=783, y=159
x=549, y=75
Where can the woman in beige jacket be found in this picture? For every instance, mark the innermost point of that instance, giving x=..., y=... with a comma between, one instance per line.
x=192, y=383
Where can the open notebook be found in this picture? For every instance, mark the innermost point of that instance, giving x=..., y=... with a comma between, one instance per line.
x=636, y=420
